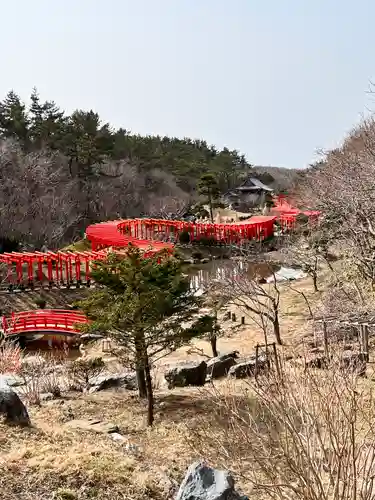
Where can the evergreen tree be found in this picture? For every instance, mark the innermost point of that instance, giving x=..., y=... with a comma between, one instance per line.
x=143, y=303
x=230, y=168
x=87, y=142
x=47, y=123
x=208, y=187
x=14, y=121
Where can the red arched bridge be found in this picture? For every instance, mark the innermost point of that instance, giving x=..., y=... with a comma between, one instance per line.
x=67, y=268
x=54, y=325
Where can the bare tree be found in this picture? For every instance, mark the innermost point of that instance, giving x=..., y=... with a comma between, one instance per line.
x=261, y=302
x=342, y=185
x=41, y=204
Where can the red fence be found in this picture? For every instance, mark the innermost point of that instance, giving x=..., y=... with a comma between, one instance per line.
x=26, y=269
x=156, y=234
x=64, y=268
x=43, y=320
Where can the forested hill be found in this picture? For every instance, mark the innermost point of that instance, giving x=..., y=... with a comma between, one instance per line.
x=60, y=172
x=85, y=139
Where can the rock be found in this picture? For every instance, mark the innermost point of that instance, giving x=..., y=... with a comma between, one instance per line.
x=247, y=368
x=219, y=366
x=126, y=380
x=92, y=426
x=118, y=437
x=12, y=407
x=205, y=483
x=206, y=260
x=11, y=380
x=185, y=374
x=35, y=361
x=55, y=402
x=47, y=396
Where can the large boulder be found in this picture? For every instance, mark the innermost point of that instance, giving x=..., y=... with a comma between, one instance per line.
x=192, y=373
x=125, y=380
x=11, y=407
x=11, y=380
x=219, y=367
x=247, y=368
x=204, y=483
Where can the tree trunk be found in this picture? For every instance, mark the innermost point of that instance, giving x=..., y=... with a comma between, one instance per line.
x=315, y=282
x=150, y=394
x=141, y=381
x=276, y=328
x=210, y=206
x=140, y=367
x=213, y=342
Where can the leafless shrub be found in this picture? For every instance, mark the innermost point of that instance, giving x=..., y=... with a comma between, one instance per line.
x=42, y=375
x=303, y=435
x=10, y=358
x=83, y=370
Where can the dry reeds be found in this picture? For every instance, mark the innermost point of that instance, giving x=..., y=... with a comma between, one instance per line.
x=306, y=435
x=10, y=358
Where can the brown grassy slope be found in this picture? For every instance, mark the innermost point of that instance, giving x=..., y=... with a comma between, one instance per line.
x=25, y=301
x=51, y=461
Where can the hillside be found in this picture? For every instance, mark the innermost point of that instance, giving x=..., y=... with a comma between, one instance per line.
x=279, y=178
x=67, y=171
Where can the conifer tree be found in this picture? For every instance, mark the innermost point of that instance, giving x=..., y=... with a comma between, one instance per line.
x=145, y=304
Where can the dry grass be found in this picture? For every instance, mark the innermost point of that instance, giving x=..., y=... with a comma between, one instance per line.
x=294, y=323
x=53, y=461
x=39, y=462
x=304, y=435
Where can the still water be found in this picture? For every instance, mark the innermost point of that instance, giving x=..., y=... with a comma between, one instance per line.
x=220, y=270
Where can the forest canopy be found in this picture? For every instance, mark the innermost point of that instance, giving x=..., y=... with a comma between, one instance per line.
x=60, y=172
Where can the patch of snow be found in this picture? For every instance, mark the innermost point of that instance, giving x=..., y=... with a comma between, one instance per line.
x=287, y=274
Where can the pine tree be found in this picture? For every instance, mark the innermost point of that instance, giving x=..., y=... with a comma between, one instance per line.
x=144, y=304
x=209, y=188
x=47, y=123
x=14, y=122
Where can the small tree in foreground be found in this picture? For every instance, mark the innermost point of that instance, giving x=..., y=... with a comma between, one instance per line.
x=146, y=305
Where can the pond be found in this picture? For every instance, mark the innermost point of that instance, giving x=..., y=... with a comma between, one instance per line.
x=203, y=274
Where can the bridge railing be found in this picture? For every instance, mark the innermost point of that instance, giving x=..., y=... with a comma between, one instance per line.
x=50, y=319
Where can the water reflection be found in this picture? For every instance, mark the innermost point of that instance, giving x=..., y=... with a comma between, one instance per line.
x=221, y=270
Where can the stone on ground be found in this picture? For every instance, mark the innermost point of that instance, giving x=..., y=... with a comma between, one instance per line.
x=11, y=407
x=92, y=426
x=126, y=380
x=248, y=368
x=11, y=379
x=219, y=367
x=205, y=483
x=185, y=374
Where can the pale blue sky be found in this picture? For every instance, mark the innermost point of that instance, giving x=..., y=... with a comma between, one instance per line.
x=276, y=79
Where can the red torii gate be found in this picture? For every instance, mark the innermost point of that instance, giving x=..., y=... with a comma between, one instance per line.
x=149, y=235
x=64, y=268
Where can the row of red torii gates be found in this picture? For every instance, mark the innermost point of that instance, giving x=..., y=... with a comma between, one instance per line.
x=68, y=268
